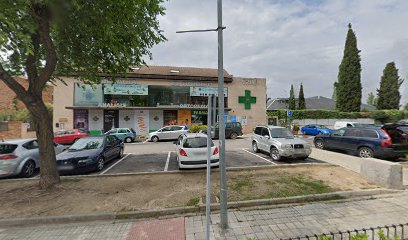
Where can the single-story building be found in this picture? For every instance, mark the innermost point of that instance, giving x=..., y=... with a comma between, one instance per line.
x=150, y=97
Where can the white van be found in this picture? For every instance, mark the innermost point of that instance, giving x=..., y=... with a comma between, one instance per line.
x=343, y=124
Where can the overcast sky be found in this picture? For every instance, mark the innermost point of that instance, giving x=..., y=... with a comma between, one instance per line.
x=289, y=41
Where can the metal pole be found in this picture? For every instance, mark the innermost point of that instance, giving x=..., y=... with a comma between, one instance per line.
x=209, y=154
x=214, y=113
x=221, y=122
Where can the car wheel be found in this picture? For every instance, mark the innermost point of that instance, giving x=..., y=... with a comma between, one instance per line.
x=233, y=135
x=128, y=140
x=28, y=169
x=100, y=164
x=155, y=138
x=255, y=147
x=365, y=152
x=275, y=154
x=121, y=153
x=319, y=144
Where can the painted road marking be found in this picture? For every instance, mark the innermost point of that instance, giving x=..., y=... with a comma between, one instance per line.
x=109, y=168
x=166, y=167
x=243, y=149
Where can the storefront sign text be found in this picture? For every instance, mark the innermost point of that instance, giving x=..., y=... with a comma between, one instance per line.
x=192, y=106
x=112, y=105
x=125, y=89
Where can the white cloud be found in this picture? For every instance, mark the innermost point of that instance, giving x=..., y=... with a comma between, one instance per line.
x=289, y=42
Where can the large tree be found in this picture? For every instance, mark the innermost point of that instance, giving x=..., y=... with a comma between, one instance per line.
x=334, y=94
x=301, y=100
x=40, y=38
x=388, y=94
x=348, y=89
x=292, y=101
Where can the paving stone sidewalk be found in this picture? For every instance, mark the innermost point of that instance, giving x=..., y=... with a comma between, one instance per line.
x=284, y=222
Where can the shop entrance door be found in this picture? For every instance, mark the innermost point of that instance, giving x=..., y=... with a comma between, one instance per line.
x=111, y=119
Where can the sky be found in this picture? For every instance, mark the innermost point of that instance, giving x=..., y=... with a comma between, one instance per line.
x=288, y=41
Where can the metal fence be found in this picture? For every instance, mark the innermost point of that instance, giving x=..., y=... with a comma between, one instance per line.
x=391, y=232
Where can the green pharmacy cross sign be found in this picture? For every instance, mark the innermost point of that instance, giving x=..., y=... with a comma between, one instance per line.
x=247, y=99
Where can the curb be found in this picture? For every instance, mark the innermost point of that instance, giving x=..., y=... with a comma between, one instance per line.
x=183, y=211
x=230, y=169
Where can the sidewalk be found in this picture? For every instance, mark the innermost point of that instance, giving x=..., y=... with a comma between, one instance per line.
x=285, y=222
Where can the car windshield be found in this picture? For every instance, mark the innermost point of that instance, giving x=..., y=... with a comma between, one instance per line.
x=87, y=143
x=198, y=142
x=281, y=133
x=7, y=148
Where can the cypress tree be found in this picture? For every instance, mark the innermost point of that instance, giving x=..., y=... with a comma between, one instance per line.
x=371, y=99
x=388, y=95
x=292, y=101
x=334, y=94
x=348, y=89
x=301, y=100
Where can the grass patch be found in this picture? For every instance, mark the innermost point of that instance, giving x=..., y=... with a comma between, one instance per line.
x=193, y=202
x=289, y=186
x=249, y=187
x=242, y=183
x=70, y=180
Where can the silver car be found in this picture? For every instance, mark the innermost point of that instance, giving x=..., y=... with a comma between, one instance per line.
x=168, y=133
x=280, y=143
x=21, y=157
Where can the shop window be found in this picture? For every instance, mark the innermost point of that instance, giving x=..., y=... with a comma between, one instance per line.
x=81, y=119
x=170, y=117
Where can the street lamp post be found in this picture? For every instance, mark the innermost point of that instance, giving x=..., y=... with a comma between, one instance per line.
x=221, y=114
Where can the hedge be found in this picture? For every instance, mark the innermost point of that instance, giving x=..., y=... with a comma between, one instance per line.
x=380, y=115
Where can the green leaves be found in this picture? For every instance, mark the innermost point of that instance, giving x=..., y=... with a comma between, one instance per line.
x=292, y=101
x=302, y=102
x=388, y=95
x=348, y=87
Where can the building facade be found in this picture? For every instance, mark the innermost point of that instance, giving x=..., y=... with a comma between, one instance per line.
x=148, y=98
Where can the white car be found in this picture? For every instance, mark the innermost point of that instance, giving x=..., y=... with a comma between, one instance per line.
x=191, y=151
x=168, y=133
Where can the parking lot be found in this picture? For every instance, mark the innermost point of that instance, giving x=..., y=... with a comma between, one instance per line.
x=147, y=157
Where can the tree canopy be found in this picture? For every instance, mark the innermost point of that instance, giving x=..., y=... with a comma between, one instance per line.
x=388, y=94
x=348, y=87
x=292, y=101
x=47, y=39
x=301, y=100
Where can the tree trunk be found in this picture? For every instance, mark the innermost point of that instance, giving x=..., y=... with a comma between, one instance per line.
x=49, y=175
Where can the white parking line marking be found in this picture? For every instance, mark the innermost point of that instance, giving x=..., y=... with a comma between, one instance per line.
x=166, y=167
x=256, y=155
x=109, y=168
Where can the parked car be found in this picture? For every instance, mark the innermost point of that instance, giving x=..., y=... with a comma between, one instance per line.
x=343, y=124
x=21, y=157
x=69, y=136
x=279, y=142
x=124, y=134
x=168, y=133
x=90, y=154
x=232, y=130
x=403, y=122
x=388, y=141
x=315, y=129
x=191, y=151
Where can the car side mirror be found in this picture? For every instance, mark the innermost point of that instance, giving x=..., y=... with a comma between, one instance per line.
x=267, y=136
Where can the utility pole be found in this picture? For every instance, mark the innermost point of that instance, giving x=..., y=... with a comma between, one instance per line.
x=221, y=122
x=221, y=114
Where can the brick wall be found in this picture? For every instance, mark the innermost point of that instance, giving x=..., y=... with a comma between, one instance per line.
x=14, y=130
x=7, y=97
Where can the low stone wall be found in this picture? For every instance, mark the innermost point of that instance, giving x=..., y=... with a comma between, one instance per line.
x=384, y=173
x=16, y=130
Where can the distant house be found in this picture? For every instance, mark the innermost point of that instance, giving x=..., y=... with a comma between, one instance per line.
x=312, y=103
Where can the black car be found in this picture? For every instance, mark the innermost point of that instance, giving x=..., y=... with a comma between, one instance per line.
x=90, y=154
x=232, y=130
x=387, y=142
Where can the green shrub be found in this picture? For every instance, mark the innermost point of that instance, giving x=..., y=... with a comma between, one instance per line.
x=197, y=128
x=383, y=116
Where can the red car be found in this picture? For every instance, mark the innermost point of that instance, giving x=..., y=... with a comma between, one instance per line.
x=69, y=136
